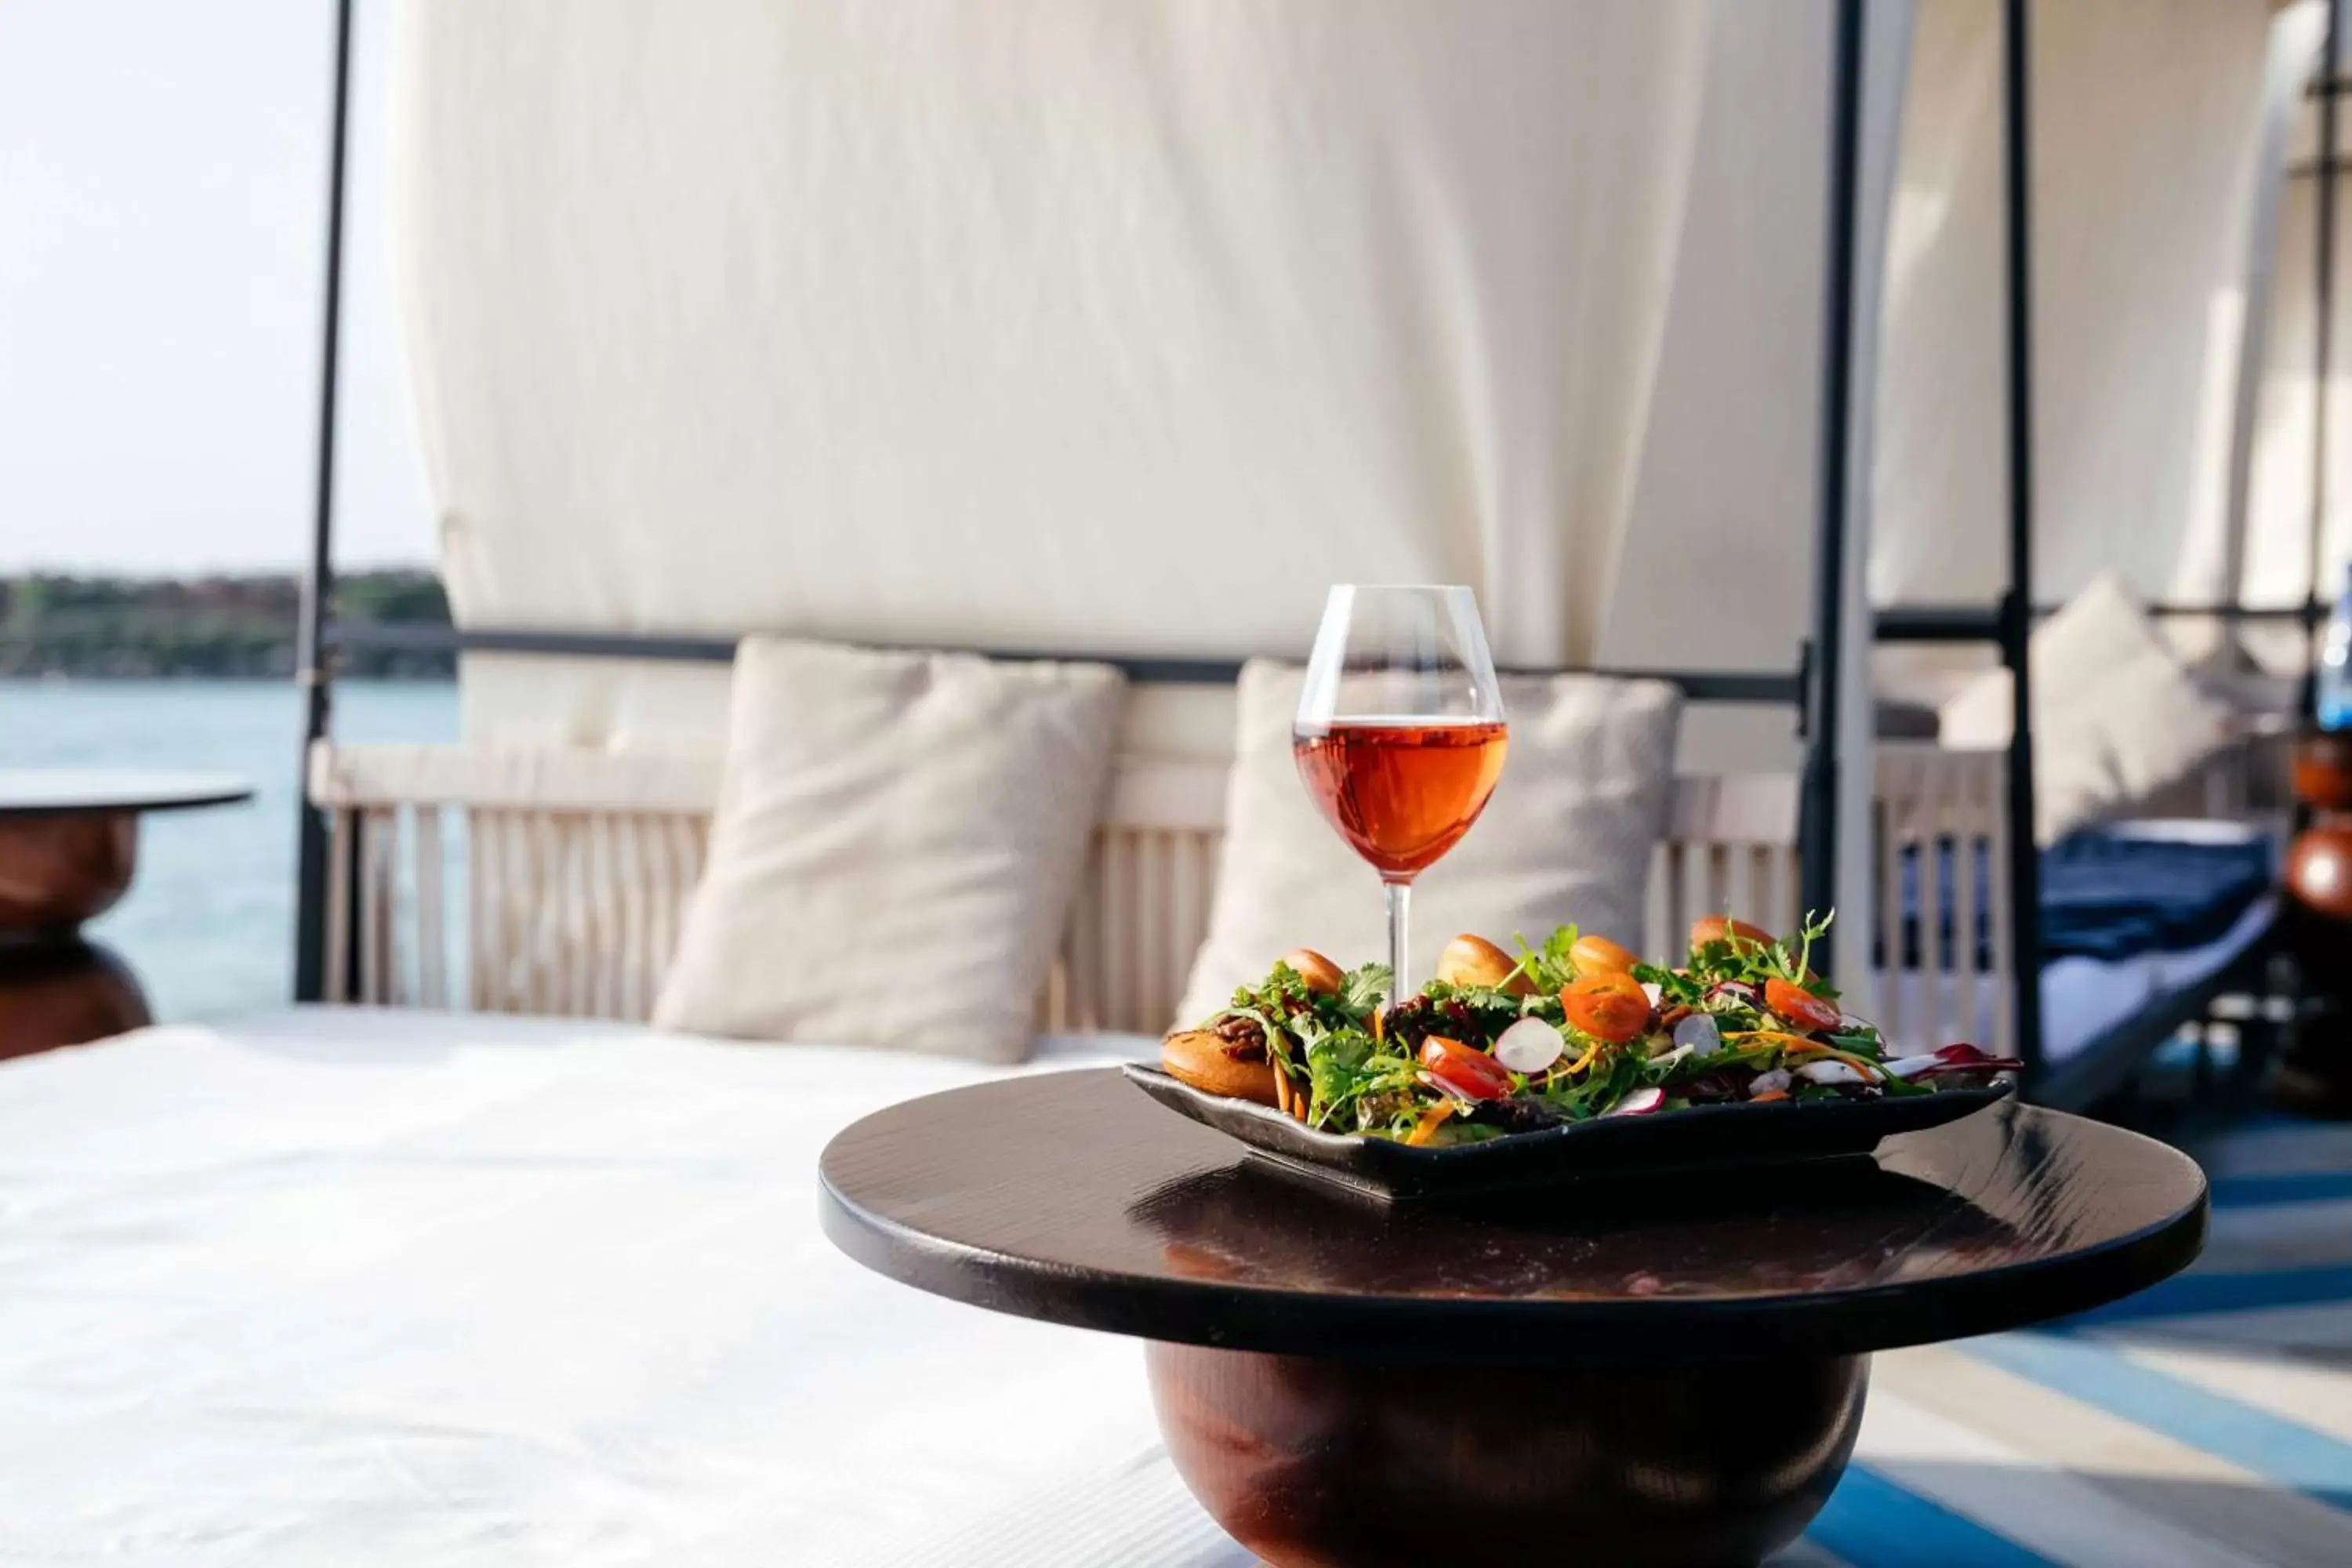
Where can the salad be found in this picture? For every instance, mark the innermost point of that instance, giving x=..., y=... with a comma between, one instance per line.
x=1575, y=1029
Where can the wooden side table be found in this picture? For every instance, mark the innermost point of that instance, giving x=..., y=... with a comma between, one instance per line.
x=1652, y=1372
x=69, y=849
x=2315, y=1075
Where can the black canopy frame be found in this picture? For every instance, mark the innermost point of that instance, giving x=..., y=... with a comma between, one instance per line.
x=1811, y=688
x=2105, y=1064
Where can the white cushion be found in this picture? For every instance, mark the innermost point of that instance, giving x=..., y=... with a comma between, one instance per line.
x=898, y=840
x=2116, y=718
x=1567, y=836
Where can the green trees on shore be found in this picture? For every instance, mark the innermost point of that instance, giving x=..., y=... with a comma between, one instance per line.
x=216, y=626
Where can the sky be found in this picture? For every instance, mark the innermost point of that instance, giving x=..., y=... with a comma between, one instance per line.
x=163, y=200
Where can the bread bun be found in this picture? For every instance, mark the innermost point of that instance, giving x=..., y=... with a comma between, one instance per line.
x=1716, y=928
x=1214, y=1065
x=1474, y=961
x=1322, y=975
x=1599, y=956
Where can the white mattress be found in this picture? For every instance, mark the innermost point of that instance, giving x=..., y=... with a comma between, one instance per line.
x=2082, y=998
x=426, y=1291
x=351, y=1286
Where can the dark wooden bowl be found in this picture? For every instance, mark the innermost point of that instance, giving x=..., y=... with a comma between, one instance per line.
x=1322, y=1463
x=59, y=871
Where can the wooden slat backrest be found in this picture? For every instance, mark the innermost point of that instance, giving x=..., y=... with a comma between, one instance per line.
x=555, y=882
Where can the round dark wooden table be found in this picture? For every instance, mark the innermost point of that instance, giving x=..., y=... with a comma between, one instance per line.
x=69, y=838
x=1661, y=1370
x=69, y=849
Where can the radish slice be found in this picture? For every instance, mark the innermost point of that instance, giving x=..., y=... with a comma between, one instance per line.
x=1739, y=990
x=1670, y=1058
x=1698, y=1035
x=1640, y=1102
x=1928, y=1067
x=1766, y=1082
x=1831, y=1072
x=1945, y=1061
x=1529, y=1045
x=1653, y=990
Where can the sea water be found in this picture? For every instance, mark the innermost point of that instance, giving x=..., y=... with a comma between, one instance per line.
x=208, y=925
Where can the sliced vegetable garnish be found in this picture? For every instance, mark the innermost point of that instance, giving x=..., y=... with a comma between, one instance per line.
x=1611, y=1008
x=1801, y=1006
x=1529, y=1045
x=1697, y=1033
x=1466, y=1070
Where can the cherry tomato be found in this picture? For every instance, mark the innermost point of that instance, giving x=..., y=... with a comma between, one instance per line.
x=1599, y=956
x=1801, y=1006
x=1611, y=1008
x=1465, y=1067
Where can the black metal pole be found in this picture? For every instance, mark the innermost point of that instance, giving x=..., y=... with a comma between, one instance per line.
x=1818, y=822
x=312, y=659
x=2017, y=619
x=2323, y=330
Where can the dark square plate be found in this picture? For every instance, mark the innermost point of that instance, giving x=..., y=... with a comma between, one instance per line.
x=1701, y=1137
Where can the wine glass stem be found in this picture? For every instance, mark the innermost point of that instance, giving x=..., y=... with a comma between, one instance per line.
x=1400, y=896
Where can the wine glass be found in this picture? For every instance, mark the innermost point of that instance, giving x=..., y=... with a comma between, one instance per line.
x=1400, y=734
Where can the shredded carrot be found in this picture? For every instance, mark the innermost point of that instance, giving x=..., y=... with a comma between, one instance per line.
x=1781, y=1036
x=1770, y=1094
x=1430, y=1121
x=1799, y=1045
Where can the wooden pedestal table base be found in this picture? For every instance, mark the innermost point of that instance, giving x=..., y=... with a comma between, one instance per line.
x=65, y=993
x=1646, y=1372
x=1309, y=1462
x=57, y=871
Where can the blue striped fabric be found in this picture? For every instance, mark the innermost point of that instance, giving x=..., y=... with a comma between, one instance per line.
x=2289, y=1187
x=2281, y=1451
x=2187, y=1294
x=2169, y=1405
x=1870, y=1522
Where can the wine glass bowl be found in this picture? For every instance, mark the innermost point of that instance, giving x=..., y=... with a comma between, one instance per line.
x=1400, y=734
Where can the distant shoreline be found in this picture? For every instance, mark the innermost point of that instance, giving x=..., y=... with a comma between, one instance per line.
x=56, y=626
x=199, y=677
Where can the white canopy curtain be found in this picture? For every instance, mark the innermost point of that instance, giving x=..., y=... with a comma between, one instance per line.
x=2278, y=533
x=1084, y=325
x=2147, y=170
